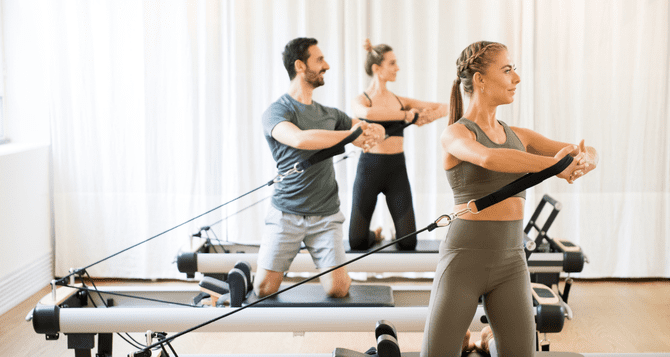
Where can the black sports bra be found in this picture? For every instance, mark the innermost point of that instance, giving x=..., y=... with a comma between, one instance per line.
x=394, y=127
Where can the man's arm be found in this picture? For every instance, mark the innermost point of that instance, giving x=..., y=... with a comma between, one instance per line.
x=289, y=134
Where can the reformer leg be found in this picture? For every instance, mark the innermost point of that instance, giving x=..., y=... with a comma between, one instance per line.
x=81, y=343
x=566, y=290
x=105, y=345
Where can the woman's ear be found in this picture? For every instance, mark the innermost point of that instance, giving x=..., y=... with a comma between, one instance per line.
x=375, y=68
x=478, y=78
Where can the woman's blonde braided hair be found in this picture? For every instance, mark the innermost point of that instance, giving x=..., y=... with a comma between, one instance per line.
x=474, y=58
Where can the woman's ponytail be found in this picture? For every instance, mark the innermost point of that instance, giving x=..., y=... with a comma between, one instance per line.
x=456, y=102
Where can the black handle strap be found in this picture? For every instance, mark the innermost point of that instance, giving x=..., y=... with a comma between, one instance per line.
x=329, y=152
x=522, y=183
x=400, y=127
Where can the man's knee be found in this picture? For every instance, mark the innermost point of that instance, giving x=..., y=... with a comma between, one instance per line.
x=267, y=282
x=263, y=290
x=338, y=292
x=339, y=288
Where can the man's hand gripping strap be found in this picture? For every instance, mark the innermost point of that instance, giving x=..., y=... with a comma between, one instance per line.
x=329, y=152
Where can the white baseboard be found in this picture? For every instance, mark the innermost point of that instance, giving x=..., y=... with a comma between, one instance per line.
x=25, y=281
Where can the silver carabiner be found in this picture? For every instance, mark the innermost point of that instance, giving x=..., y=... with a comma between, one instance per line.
x=294, y=170
x=467, y=209
x=452, y=216
x=448, y=217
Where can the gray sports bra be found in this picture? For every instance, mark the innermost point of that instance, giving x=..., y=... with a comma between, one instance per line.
x=469, y=181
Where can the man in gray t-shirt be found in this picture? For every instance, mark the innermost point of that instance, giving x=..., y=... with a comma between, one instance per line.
x=305, y=207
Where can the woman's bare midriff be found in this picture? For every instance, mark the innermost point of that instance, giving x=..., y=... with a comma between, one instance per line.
x=510, y=209
x=392, y=145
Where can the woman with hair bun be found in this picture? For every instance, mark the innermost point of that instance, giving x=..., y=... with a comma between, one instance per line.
x=482, y=255
x=382, y=169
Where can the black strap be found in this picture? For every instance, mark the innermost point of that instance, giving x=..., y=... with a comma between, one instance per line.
x=401, y=127
x=329, y=152
x=522, y=183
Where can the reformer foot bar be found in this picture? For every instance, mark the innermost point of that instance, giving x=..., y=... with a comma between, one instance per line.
x=304, y=309
x=406, y=306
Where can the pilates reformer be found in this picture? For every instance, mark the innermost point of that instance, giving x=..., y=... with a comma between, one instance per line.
x=66, y=311
x=128, y=314
x=550, y=256
x=304, y=309
x=63, y=316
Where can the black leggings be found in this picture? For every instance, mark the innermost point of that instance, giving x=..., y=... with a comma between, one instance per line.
x=387, y=174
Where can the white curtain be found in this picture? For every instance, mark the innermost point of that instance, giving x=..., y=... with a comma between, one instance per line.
x=156, y=109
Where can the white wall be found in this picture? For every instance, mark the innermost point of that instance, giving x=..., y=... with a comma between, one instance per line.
x=26, y=252
x=26, y=75
x=25, y=223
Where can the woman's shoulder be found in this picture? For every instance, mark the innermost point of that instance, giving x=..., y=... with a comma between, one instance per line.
x=458, y=130
x=363, y=99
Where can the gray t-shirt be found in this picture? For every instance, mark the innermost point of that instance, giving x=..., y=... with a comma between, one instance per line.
x=314, y=191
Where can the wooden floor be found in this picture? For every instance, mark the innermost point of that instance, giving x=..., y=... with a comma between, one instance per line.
x=609, y=316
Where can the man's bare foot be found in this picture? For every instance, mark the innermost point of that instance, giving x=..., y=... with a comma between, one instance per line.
x=485, y=342
x=466, y=342
x=378, y=235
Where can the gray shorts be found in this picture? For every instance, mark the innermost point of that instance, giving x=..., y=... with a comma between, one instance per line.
x=284, y=232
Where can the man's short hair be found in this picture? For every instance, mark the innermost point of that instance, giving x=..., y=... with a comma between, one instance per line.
x=297, y=49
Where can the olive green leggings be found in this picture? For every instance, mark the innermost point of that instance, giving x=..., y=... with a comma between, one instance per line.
x=481, y=258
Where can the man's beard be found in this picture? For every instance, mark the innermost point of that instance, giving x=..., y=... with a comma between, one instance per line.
x=312, y=77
